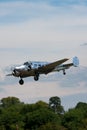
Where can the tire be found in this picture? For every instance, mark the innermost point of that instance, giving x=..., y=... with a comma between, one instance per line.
x=21, y=81
x=36, y=78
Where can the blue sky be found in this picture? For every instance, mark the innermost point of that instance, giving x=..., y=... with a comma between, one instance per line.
x=46, y=31
x=35, y=25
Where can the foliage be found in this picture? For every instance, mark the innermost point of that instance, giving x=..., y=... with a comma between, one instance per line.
x=51, y=126
x=40, y=117
x=55, y=105
x=6, y=102
x=15, y=115
x=76, y=118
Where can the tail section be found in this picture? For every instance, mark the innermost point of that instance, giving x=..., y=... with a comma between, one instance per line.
x=75, y=61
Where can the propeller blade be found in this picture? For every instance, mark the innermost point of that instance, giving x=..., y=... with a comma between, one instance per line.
x=9, y=74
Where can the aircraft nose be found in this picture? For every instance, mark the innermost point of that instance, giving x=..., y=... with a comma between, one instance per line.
x=14, y=72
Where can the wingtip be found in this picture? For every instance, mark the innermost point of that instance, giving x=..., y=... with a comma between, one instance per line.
x=66, y=59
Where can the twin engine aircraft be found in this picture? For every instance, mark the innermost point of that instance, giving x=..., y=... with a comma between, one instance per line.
x=36, y=68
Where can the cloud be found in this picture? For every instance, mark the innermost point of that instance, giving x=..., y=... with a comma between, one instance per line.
x=20, y=11
x=46, y=31
x=84, y=44
x=72, y=100
x=38, y=30
x=53, y=84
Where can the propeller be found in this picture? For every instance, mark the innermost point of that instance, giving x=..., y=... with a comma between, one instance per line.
x=10, y=70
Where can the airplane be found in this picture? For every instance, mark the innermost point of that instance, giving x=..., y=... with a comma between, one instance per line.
x=35, y=68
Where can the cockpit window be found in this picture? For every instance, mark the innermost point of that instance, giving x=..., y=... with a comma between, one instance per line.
x=26, y=63
x=35, y=65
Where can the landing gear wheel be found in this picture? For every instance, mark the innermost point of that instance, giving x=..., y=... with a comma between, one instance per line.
x=21, y=81
x=64, y=72
x=36, y=78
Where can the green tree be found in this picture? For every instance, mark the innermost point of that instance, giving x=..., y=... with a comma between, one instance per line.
x=51, y=126
x=55, y=105
x=40, y=117
x=76, y=118
x=41, y=104
x=6, y=102
x=10, y=114
x=10, y=118
x=32, y=107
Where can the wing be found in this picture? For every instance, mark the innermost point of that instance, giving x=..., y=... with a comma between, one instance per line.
x=67, y=65
x=75, y=63
x=50, y=67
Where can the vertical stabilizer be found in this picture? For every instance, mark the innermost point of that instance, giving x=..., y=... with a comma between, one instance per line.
x=75, y=61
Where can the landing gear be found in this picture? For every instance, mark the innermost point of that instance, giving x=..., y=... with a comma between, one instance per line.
x=36, y=77
x=21, y=81
x=64, y=72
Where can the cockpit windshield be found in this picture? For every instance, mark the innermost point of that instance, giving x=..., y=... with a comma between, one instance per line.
x=26, y=63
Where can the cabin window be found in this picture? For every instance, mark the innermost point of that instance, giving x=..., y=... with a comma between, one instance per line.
x=39, y=65
x=35, y=65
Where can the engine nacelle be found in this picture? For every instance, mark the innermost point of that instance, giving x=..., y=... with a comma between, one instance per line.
x=15, y=73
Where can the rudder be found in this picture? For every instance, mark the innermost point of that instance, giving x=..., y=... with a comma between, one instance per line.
x=75, y=61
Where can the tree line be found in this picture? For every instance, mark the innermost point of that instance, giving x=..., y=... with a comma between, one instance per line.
x=16, y=115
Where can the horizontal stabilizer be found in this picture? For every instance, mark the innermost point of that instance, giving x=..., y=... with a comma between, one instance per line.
x=75, y=61
x=9, y=74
